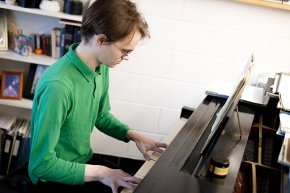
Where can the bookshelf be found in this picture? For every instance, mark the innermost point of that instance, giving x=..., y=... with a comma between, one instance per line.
x=30, y=20
x=45, y=21
x=23, y=103
x=36, y=11
x=34, y=58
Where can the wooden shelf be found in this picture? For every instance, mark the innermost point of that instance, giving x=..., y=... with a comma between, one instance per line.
x=34, y=58
x=260, y=170
x=278, y=5
x=23, y=103
x=60, y=15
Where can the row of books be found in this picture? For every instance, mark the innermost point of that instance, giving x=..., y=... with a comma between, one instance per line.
x=57, y=43
x=14, y=144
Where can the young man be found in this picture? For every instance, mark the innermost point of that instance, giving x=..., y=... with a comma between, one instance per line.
x=72, y=97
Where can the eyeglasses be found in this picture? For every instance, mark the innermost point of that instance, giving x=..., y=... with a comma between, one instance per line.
x=125, y=53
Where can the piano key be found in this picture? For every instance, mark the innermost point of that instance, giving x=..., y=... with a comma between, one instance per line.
x=141, y=173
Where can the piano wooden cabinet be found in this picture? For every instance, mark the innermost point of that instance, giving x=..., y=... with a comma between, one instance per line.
x=172, y=171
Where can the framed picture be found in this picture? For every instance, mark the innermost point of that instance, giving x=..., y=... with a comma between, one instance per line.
x=35, y=72
x=3, y=30
x=11, y=85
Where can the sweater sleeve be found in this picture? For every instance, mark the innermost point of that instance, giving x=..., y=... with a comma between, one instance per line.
x=49, y=111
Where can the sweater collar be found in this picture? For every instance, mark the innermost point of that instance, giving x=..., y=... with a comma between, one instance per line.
x=87, y=72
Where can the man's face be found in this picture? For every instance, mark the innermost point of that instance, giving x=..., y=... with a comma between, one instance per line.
x=114, y=52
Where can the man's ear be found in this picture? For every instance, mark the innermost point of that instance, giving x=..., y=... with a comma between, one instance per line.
x=100, y=39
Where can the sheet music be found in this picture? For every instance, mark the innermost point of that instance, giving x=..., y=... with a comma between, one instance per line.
x=233, y=98
x=223, y=89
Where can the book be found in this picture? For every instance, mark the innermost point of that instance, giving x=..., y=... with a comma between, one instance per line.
x=48, y=45
x=62, y=38
x=68, y=37
x=43, y=43
x=37, y=41
x=24, y=149
x=55, y=42
x=77, y=35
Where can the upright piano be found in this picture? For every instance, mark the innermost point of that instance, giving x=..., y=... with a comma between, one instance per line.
x=186, y=164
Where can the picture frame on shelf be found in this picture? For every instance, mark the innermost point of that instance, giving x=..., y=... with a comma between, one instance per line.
x=11, y=85
x=3, y=30
x=35, y=72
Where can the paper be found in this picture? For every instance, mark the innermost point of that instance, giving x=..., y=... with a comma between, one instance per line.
x=220, y=88
x=283, y=81
x=285, y=99
x=254, y=94
x=285, y=121
x=6, y=121
x=225, y=88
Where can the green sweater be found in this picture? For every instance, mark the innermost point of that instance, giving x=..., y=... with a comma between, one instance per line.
x=70, y=99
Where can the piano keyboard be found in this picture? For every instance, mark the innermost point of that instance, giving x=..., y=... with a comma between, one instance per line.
x=141, y=173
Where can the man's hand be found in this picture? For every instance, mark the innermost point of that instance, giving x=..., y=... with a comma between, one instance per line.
x=145, y=144
x=113, y=178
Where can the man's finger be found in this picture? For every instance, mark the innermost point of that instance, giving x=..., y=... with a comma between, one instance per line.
x=132, y=179
x=126, y=185
x=156, y=149
x=146, y=156
x=164, y=145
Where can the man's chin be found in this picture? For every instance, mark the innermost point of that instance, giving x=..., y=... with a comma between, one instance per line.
x=112, y=65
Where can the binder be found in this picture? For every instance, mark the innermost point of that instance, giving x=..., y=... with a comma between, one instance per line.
x=2, y=137
x=11, y=146
x=15, y=151
x=7, y=148
x=24, y=147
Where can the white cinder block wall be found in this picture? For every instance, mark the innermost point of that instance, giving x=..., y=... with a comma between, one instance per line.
x=194, y=42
